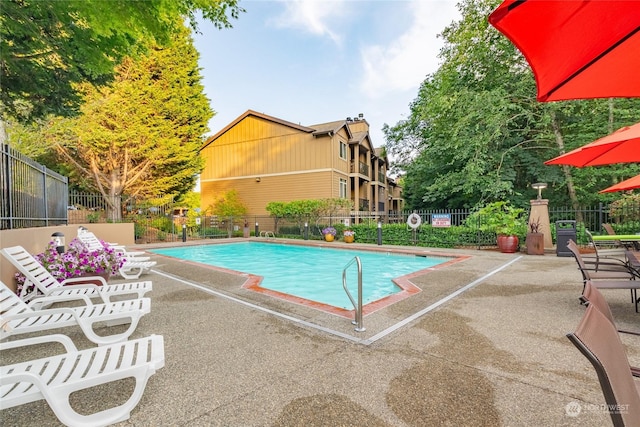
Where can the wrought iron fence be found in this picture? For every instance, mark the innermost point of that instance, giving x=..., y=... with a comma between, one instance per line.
x=32, y=195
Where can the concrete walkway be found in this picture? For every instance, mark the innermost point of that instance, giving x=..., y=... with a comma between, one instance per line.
x=493, y=354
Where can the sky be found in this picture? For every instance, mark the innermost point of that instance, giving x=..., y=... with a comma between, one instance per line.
x=317, y=61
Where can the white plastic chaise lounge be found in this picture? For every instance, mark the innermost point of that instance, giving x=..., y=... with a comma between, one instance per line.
x=17, y=317
x=48, y=285
x=56, y=377
x=91, y=241
x=133, y=266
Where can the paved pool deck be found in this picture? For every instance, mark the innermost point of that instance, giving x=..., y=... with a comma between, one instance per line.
x=483, y=344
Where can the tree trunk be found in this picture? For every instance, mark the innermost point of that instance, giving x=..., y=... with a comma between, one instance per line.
x=3, y=132
x=566, y=170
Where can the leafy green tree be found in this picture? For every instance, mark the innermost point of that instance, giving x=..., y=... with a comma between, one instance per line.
x=476, y=134
x=139, y=136
x=229, y=208
x=48, y=47
x=229, y=205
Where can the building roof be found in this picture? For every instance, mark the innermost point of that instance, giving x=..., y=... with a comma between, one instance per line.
x=329, y=128
x=261, y=116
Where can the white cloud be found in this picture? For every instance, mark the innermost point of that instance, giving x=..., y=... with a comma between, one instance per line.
x=317, y=17
x=403, y=63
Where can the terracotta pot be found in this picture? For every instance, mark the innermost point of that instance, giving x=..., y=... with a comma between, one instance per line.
x=535, y=243
x=508, y=244
x=328, y=237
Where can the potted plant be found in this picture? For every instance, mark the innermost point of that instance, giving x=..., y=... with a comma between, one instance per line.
x=329, y=234
x=349, y=235
x=77, y=261
x=535, y=238
x=503, y=219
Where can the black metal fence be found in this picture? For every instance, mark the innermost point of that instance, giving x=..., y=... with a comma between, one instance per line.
x=32, y=195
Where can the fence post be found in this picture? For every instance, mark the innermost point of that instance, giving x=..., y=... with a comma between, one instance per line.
x=600, y=217
x=478, y=235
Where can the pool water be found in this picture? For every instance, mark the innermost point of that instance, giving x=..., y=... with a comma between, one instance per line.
x=312, y=273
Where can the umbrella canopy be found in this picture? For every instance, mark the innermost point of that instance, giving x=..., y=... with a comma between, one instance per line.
x=622, y=146
x=577, y=49
x=628, y=184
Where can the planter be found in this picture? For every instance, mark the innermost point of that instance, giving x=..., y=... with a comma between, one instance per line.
x=348, y=239
x=329, y=237
x=96, y=282
x=508, y=244
x=245, y=232
x=535, y=243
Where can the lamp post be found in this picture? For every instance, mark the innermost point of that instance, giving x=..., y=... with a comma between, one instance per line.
x=539, y=186
x=540, y=214
x=58, y=240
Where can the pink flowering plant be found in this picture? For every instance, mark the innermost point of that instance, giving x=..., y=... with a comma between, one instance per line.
x=349, y=233
x=329, y=230
x=76, y=261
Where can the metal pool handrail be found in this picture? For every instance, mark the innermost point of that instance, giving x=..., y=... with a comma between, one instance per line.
x=358, y=306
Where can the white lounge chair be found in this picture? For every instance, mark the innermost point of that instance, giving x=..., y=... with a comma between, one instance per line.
x=18, y=317
x=91, y=241
x=55, y=378
x=48, y=285
x=133, y=266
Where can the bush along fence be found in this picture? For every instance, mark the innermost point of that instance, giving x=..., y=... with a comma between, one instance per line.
x=168, y=221
x=150, y=230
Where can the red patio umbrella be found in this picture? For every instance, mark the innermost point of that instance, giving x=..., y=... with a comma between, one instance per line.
x=622, y=146
x=628, y=184
x=577, y=49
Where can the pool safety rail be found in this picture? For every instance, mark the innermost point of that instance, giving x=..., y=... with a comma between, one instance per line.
x=358, y=306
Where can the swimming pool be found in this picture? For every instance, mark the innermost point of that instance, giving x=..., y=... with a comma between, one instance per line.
x=309, y=272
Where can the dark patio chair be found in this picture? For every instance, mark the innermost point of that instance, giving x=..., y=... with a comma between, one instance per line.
x=598, y=340
x=618, y=278
x=593, y=296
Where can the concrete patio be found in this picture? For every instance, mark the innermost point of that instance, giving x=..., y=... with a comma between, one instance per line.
x=496, y=354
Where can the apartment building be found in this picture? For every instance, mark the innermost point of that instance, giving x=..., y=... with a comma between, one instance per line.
x=266, y=159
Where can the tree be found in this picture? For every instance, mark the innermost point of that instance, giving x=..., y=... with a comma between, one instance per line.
x=48, y=47
x=228, y=208
x=476, y=134
x=140, y=136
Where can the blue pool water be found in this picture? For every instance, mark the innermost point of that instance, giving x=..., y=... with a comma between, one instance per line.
x=313, y=273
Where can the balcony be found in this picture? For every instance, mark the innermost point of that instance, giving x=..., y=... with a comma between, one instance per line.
x=363, y=169
x=363, y=204
x=382, y=178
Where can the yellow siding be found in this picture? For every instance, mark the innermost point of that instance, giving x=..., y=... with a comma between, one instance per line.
x=257, y=147
x=279, y=188
x=289, y=161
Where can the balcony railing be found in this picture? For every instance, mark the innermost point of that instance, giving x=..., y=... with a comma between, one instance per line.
x=363, y=168
x=382, y=177
x=363, y=204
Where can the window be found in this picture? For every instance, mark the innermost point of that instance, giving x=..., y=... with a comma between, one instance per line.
x=343, y=188
x=343, y=150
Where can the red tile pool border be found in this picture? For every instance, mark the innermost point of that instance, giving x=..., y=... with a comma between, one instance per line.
x=253, y=281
